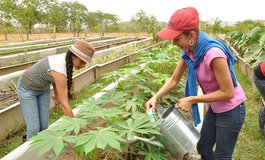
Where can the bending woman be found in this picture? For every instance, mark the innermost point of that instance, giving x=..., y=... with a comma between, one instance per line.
x=34, y=85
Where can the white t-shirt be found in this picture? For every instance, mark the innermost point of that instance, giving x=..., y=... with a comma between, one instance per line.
x=57, y=63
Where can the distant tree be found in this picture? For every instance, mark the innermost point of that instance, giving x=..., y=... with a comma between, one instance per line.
x=140, y=19
x=102, y=20
x=108, y=19
x=55, y=15
x=7, y=14
x=248, y=25
x=153, y=27
x=217, y=27
x=145, y=23
x=29, y=13
x=76, y=16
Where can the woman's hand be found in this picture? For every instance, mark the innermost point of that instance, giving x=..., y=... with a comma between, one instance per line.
x=151, y=103
x=185, y=103
x=56, y=102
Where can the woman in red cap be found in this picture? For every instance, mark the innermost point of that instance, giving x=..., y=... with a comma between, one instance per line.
x=210, y=64
x=34, y=85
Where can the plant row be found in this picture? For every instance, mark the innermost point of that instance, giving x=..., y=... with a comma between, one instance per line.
x=250, y=44
x=105, y=125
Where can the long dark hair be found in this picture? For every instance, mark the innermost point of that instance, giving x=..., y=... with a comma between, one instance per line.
x=69, y=71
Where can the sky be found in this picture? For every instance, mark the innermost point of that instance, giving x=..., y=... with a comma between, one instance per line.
x=225, y=10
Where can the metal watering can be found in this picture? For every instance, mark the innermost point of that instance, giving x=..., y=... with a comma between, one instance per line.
x=178, y=136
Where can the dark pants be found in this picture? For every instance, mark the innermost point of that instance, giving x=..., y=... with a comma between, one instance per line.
x=220, y=130
x=260, y=84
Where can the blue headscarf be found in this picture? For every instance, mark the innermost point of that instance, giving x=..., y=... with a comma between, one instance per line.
x=204, y=43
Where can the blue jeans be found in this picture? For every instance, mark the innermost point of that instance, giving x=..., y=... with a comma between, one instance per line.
x=35, y=107
x=221, y=130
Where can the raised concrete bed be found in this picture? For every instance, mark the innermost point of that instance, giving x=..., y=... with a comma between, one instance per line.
x=249, y=72
x=4, y=80
x=10, y=45
x=242, y=66
x=35, y=55
x=50, y=41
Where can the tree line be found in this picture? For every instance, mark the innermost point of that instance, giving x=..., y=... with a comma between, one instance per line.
x=52, y=16
x=26, y=16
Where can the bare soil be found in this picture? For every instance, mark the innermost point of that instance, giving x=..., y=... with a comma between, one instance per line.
x=7, y=97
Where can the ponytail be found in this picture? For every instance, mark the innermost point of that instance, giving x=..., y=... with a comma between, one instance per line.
x=69, y=71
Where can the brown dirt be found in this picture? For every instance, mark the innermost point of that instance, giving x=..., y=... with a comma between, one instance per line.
x=7, y=97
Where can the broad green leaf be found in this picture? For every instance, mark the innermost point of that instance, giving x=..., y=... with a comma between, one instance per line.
x=153, y=153
x=90, y=145
x=58, y=147
x=251, y=53
x=135, y=104
x=260, y=58
x=114, y=97
x=90, y=103
x=100, y=138
x=262, y=40
x=68, y=124
x=70, y=139
x=47, y=140
x=139, y=125
x=102, y=112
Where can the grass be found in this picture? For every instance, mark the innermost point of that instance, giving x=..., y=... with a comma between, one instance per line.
x=251, y=142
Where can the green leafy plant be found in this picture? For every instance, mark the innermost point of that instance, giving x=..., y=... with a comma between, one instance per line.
x=134, y=104
x=138, y=125
x=114, y=97
x=68, y=125
x=49, y=140
x=99, y=139
x=102, y=113
x=250, y=43
x=152, y=153
x=106, y=123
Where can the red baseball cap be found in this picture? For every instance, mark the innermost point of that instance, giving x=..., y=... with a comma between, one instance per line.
x=182, y=19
